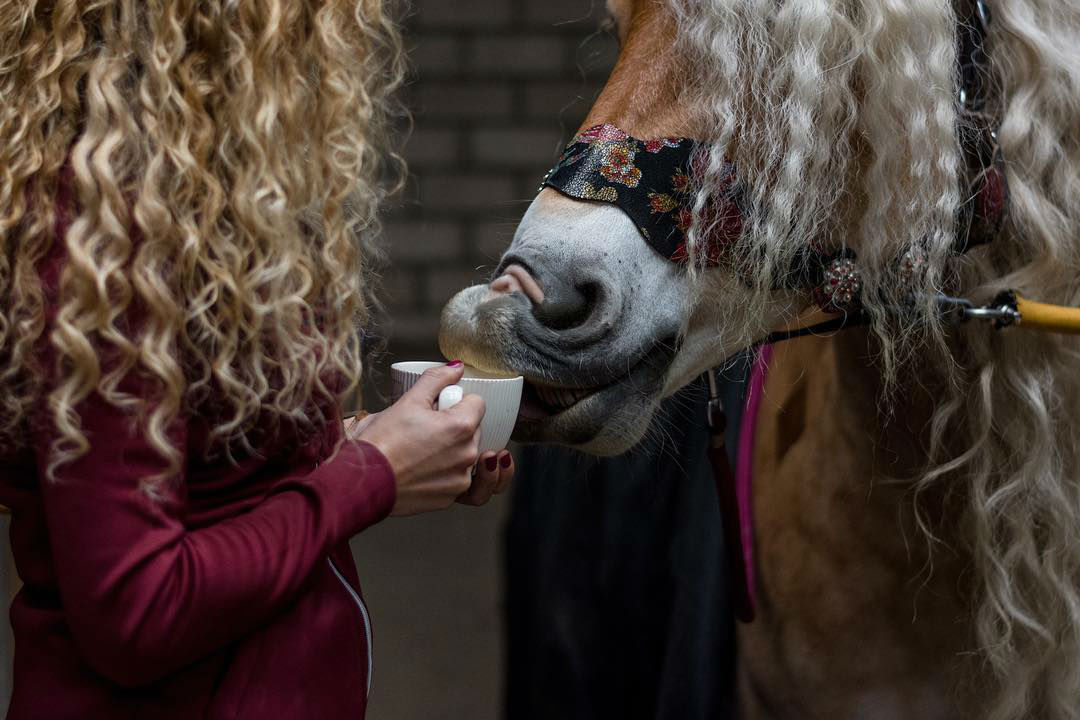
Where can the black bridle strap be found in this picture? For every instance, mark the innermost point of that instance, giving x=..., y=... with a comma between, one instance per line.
x=850, y=319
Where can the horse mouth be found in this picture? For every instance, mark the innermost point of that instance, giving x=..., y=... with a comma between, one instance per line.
x=575, y=415
x=597, y=394
x=542, y=401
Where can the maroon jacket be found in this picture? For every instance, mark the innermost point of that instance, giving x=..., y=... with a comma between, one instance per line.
x=235, y=597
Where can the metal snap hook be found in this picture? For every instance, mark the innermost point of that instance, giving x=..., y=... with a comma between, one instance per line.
x=956, y=311
x=983, y=13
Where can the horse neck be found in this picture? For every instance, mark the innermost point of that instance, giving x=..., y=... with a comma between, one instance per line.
x=846, y=579
x=828, y=429
x=842, y=373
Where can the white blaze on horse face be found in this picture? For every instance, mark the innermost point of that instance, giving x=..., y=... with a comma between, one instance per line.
x=598, y=243
x=609, y=316
x=628, y=295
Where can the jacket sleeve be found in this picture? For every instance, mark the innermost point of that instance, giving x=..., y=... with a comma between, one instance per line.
x=144, y=595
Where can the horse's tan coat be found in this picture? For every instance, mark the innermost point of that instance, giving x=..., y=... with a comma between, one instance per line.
x=851, y=623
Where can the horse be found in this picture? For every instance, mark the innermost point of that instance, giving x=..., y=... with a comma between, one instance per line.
x=916, y=503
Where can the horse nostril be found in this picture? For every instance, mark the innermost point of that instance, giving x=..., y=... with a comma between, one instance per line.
x=567, y=306
x=515, y=278
x=563, y=298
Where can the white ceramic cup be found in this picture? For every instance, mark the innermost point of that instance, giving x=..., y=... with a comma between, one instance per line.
x=502, y=397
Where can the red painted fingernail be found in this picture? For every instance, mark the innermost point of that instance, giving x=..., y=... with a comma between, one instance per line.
x=454, y=363
x=491, y=463
x=504, y=461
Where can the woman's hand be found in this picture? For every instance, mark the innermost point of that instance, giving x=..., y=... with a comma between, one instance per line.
x=433, y=453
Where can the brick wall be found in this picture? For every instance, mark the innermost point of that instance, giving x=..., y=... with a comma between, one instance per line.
x=498, y=87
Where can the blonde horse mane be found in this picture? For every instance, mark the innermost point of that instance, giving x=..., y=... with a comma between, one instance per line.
x=842, y=118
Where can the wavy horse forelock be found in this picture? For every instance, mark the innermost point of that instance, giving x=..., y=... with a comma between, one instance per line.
x=842, y=118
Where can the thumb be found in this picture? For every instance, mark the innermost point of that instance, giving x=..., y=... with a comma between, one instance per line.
x=431, y=383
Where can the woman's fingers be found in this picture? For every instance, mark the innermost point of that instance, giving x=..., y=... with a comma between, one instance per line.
x=493, y=475
x=484, y=481
x=506, y=471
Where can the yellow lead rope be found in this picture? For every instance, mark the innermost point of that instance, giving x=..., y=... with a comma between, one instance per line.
x=1048, y=318
x=1009, y=309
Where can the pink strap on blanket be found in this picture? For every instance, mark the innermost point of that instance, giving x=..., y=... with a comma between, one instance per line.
x=744, y=470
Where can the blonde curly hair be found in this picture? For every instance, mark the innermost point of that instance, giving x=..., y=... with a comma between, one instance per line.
x=226, y=159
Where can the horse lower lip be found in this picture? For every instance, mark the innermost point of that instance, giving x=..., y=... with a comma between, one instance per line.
x=561, y=398
x=530, y=411
x=540, y=401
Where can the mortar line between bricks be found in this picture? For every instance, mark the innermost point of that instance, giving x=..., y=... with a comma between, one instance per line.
x=517, y=103
x=464, y=159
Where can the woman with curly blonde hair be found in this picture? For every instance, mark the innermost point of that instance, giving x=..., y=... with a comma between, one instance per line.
x=185, y=187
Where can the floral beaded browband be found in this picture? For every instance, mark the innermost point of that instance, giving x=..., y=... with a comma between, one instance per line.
x=649, y=180
x=652, y=182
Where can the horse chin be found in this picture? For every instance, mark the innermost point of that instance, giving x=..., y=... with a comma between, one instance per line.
x=605, y=420
x=606, y=423
x=598, y=413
